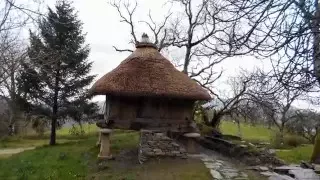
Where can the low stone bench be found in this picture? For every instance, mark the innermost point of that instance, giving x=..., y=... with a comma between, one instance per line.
x=105, y=152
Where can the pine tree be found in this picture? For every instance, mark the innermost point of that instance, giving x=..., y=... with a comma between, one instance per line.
x=58, y=60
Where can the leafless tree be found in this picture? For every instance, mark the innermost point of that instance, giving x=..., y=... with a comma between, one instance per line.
x=14, y=18
x=11, y=58
x=287, y=32
x=305, y=123
x=275, y=100
x=204, y=31
x=229, y=104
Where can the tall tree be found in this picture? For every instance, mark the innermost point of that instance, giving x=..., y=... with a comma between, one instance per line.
x=58, y=62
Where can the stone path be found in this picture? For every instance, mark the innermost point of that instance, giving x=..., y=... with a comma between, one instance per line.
x=220, y=169
x=14, y=151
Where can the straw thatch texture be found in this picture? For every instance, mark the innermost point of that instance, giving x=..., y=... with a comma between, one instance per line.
x=147, y=73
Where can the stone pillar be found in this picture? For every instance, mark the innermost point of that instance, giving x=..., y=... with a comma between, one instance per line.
x=105, y=152
x=191, y=145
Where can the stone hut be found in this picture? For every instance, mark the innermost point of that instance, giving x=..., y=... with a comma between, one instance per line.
x=147, y=92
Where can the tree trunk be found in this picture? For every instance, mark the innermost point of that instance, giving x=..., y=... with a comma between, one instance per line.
x=281, y=134
x=187, y=60
x=239, y=128
x=269, y=124
x=216, y=119
x=315, y=158
x=54, y=111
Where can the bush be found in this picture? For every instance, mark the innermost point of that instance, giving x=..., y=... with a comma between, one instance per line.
x=288, y=141
x=76, y=131
x=294, y=140
x=204, y=129
x=39, y=124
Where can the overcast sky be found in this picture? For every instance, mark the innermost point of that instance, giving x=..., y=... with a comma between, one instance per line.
x=104, y=30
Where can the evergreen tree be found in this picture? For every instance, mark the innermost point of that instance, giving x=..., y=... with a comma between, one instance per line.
x=58, y=62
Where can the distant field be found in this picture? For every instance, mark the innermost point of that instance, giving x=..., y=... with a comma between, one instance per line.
x=249, y=132
x=261, y=133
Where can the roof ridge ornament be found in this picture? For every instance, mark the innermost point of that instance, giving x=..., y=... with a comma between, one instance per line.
x=145, y=42
x=145, y=38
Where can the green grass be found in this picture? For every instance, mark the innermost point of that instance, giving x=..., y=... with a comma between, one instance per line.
x=260, y=133
x=65, y=161
x=249, y=132
x=76, y=158
x=88, y=129
x=296, y=155
x=32, y=140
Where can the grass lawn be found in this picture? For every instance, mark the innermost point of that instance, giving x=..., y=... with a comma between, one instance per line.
x=249, y=132
x=296, y=155
x=76, y=158
x=260, y=133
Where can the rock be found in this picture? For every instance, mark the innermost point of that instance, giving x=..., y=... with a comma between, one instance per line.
x=258, y=168
x=251, y=144
x=243, y=146
x=263, y=168
x=285, y=169
x=264, y=143
x=303, y=174
x=206, y=159
x=230, y=174
x=212, y=165
x=216, y=133
x=280, y=177
x=175, y=144
x=316, y=168
x=306, y=165
x=175, y=152
x=268, y=173
x=157, y=150
x=215, y=174
x=244, y=175
x=159, y=134
x=271, y=151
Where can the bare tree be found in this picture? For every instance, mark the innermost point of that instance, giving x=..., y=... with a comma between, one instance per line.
x=287, y=33
x=275, y=100
x=305, y=123
x=204, y=31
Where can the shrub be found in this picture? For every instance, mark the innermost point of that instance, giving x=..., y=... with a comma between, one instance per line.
x=76, y=131
x=39, y=124
x=288, y=141
x=276, y=141
x=294, y=140
x=204, y=129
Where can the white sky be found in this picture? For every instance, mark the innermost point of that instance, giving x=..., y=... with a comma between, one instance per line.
x=104, y=30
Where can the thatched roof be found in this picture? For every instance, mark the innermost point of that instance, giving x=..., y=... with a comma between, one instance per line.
x=147, y=73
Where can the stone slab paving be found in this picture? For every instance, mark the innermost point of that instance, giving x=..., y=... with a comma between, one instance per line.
x=220, y=169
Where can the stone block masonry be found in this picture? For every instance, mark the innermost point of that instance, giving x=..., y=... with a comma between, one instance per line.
x=155, y=145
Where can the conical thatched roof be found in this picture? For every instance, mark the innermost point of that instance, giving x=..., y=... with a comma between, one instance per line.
x=147, y=73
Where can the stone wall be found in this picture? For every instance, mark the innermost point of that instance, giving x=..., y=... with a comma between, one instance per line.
x=155, y=145
x=239, y=152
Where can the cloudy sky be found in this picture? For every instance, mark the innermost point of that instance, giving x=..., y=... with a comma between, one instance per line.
x=104, y=30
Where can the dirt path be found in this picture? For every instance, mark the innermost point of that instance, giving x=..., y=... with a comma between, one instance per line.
x=8, y=152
